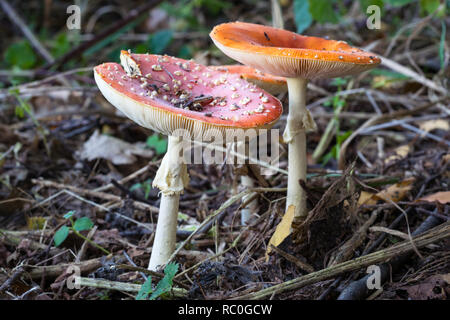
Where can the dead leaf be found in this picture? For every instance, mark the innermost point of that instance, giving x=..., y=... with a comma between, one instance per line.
x=36, y=223
x=282, y=231
x=446, y=158
x=442, y=197
x=399, y=154
x=365, y=198
x=434, y=287
x=431, y=125
x=395, y=193
x=100, y=146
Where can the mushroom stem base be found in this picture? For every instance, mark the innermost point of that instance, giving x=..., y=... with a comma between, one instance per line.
x=166, y=230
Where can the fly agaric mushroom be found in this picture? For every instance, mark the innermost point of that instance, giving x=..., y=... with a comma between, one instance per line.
x=297, y=58
x=272, y=84
x=167, y=94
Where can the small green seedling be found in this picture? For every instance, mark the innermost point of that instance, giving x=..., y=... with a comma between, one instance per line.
x=146, y=186
x=157, y=143
x=78, y=225
x=164, y=285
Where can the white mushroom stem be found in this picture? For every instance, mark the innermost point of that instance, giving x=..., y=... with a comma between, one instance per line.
x=171, y=178
x=247, y=182
x=299, y=121
x=250, y=208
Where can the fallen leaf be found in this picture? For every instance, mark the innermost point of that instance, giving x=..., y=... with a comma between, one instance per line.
x=282, y=231
x=432, y=288
x=399, y=153
x=365, y=197
x=431, y=125
x=442, y=197
x=395, y=193
x=36, y=223
x=446, y=158
x=100, y=146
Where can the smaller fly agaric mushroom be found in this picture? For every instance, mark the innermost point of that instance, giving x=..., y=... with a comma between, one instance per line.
x=168, y=94
x=297, y=58
x=272, y=84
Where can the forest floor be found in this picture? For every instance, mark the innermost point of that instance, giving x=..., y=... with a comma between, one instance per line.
x=378, y=179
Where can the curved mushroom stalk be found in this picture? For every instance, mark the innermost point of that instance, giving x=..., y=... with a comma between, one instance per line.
x=299, y=121
x=171, y=178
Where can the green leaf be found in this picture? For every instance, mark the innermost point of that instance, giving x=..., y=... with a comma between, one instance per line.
x=342, y=137
x=69, y=214
x=165, y=285
x=214, y=6
x=388, y=74
x=136, y=186
x=148, y=188
x=366, y=3
x=429, y=6
x=145, y=290
x=323, y=11
x=185, y=52
x=83, y=224
x=19, y=112
x=442, y=45
x=20, y=54
x=113, y=37
x=157, y=143
x=398, y=3
x=61, y=235
x=61, y=46
x=160, y=40
x=338, y=82
x=302, y=17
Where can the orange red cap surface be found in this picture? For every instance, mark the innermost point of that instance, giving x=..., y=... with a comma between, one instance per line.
x=165, y=93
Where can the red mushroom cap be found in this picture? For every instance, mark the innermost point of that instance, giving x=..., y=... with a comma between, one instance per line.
x=288, y=54
x=165, y=94
x=268, y=82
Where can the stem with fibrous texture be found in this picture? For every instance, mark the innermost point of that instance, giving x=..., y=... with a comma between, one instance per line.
x=298, y=122
x=171, y=178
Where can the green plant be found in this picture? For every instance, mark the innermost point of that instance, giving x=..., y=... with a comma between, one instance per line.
x=146, y=186
x=157, y=42
x=76, y=227
x=184, y=11
x=338, y=103
x=157, y=143
x=164, y=285
x=25, y=108
x=21, y=55
x=308, y=11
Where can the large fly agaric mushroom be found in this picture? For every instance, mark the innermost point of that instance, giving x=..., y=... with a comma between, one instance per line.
x=168, y=94
x=297, y=58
